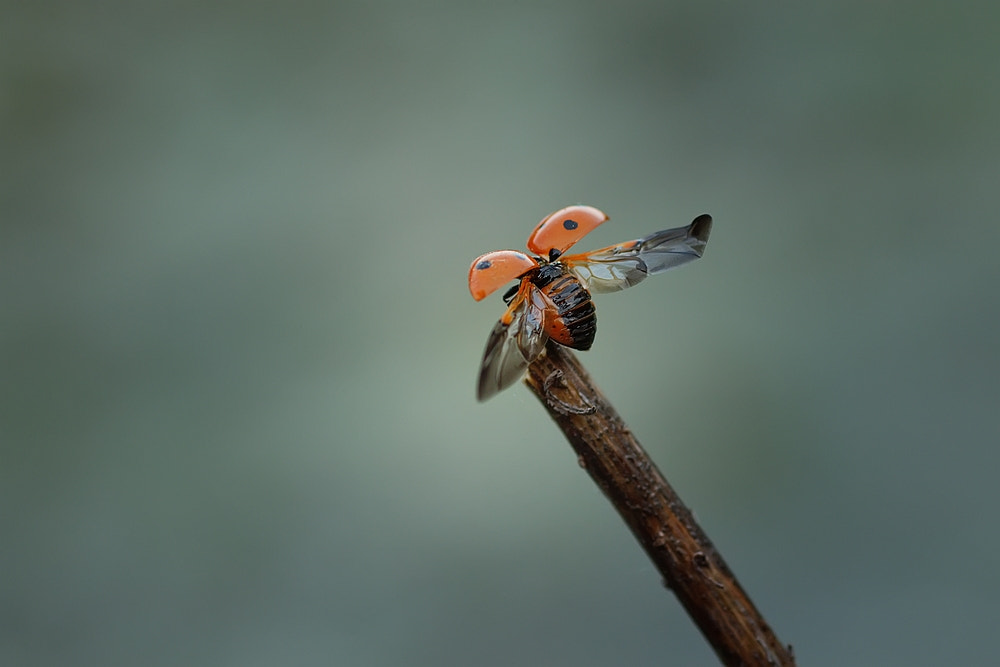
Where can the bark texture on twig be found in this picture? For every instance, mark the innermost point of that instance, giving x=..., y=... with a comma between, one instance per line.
x=690, y=565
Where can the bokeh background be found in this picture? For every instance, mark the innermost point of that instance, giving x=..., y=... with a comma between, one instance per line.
x=238, y=351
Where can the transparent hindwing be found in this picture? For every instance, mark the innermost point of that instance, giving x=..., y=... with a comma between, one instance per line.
x=516, y=340
x=626, y=264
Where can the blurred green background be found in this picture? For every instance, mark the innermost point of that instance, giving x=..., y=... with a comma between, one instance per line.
x=238, y=351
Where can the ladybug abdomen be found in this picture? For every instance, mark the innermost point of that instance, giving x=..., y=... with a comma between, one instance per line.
x=572, y=322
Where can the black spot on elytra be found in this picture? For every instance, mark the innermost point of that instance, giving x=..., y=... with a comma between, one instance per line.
x=485, y=264
x=570, y=224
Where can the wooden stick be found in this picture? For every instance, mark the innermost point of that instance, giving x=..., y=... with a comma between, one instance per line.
x=690, y=565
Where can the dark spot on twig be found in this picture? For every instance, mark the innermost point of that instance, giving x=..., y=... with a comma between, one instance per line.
x=560, y=406
x=701, y=562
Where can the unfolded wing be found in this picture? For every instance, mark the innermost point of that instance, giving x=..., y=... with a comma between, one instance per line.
x=626, y=264
x=516, y=340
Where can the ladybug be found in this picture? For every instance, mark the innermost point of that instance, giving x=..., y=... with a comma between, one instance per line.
x=551, y=300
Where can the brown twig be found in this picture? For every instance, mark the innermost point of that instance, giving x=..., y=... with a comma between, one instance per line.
x=690, y=565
